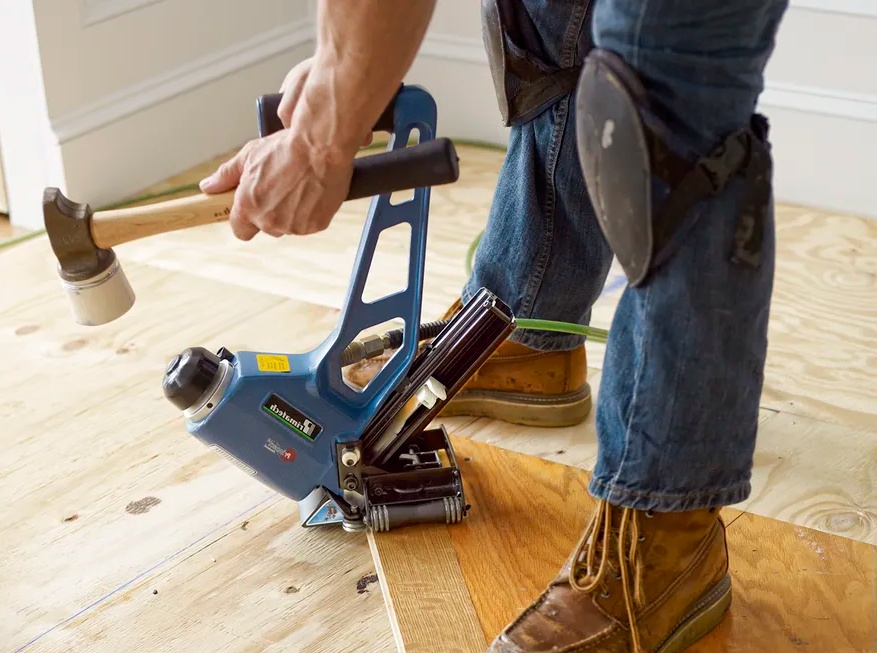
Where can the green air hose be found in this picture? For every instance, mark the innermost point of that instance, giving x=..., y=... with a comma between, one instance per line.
x=592, y=333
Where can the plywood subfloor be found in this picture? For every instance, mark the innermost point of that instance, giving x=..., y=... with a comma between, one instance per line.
x=87, y=434
x=123, y=533
x=795, y=589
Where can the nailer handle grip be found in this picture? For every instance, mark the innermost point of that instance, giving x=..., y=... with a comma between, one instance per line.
x=432, y=163
x=269, y=122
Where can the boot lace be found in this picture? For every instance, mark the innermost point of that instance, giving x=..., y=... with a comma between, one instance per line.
x=586, y=574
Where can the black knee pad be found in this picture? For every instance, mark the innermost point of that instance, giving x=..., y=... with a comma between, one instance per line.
x=641, y=188
x=526, y=82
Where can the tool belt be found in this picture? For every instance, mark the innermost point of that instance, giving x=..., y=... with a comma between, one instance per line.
x=525, y=80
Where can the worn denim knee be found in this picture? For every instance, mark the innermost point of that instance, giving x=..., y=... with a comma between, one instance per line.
x=677, y=410
x=677, y=414
x=542, y=251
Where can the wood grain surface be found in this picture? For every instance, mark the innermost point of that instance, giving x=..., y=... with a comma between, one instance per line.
x=815, y=474
x=262, y=583
x=822, y=351
x=423, y=564
x=8, y=231
x=527, y=514
x=117, y=226
x=106, y=497
x=795, y=589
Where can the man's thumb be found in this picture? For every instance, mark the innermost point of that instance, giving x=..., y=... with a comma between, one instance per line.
x=226, y=176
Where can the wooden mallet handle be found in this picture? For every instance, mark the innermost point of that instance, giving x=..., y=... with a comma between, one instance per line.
x=117, y=226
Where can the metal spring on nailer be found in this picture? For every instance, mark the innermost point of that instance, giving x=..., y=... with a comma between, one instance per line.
x=453, y=509
x=379, y=516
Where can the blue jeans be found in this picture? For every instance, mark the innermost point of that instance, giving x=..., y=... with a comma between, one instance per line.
x=677, y=411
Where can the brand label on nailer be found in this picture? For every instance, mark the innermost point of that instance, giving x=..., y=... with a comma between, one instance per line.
x=292, y=418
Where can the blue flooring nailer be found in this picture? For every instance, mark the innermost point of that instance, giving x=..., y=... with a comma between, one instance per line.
x=365, y=458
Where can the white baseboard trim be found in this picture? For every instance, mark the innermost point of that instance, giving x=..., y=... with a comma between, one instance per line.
x=867, y=8
x=141, y=96
x=453, y=48
x=811, y=99
x=827, y=102
x=98, y=11
x=107, y=151
x=4, y=204
x=124, y=156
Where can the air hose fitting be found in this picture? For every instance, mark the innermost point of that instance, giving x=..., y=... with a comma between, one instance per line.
x=375, y=345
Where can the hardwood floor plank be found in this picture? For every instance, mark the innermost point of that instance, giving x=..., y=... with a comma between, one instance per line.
x=425, y=592
x=794, y=588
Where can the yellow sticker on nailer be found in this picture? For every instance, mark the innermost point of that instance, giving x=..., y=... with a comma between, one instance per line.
x=272, y=362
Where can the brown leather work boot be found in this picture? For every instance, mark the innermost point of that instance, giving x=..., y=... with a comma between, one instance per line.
x=639, y=582
x=516, y=384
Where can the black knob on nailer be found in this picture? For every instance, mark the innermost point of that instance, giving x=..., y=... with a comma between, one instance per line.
x=189, y=375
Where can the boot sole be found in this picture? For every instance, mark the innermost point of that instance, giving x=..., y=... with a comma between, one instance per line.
x=701, y=619
x=527, y=410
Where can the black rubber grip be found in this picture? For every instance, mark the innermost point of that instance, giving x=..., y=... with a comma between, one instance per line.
x=432, y=163
x=266, y=112
x=269, y=122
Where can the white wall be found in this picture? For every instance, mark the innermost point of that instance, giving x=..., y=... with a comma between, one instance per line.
x=821, y=98
x=110, y=96
x=105, y=97
x=4, y=206
x=452, y=65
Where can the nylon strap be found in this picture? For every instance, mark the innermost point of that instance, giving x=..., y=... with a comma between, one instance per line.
x=740, y=153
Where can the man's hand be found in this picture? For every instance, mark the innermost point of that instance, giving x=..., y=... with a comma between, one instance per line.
x=284, y=186
x=294, y=181
x=291, y=89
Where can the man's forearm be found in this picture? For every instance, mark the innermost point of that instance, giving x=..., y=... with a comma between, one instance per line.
x=364, y=49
